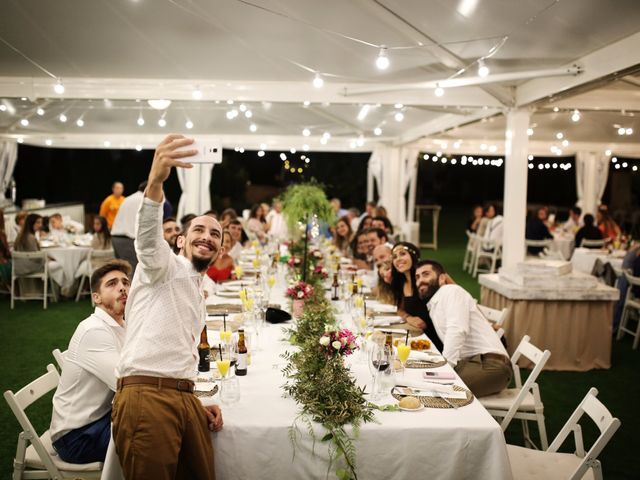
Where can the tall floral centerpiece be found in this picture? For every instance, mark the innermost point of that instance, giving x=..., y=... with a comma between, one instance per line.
x=302, y=205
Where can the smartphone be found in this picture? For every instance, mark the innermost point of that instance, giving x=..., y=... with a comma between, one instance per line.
x=208, y=151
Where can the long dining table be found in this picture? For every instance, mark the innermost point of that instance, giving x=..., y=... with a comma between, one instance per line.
x=443, y=443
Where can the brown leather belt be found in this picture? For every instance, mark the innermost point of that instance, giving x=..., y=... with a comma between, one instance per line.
x=495, y=356
x=161, y=382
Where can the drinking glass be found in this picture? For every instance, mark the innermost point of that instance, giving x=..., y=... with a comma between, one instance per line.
x=230, y=393
x=403, y=355
x=380, y=359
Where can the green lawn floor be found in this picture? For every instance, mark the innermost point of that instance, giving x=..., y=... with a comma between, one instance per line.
x=29, y=334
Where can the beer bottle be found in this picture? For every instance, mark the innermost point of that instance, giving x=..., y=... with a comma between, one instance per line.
x=241, y=365
x=335, y=286
x=389, y=340
x=204, y=352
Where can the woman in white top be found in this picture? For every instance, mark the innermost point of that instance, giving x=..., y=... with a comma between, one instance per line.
x=256, y=223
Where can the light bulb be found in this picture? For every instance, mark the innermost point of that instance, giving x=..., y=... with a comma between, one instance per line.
x=63, y=118
x=318, y=82
x=197, y=94
x=162, y=122
x=529, y=131
x=439, y=91
x=283, y=157
x=399, y=116
x=398, y=105
x=58, y=87
x=559, y=135
x=292, y=151
x=382, y=62
x=483, y=70
x=159, y=104
x=621, y=131
x=377, y=131
x=140, y=121
x=261, y=153
x=48, y=142
x=530, y=157
x=607, y=153
x=138, y=148
x=80, y=122
x=189, y=124
x=575, y=117
x=20, y=140
x=241, y=149
x=242, y=107
x=629, y=131
x=24, y=122
x=324, y=140
x=107, y=143
x=565, y=143
x=248, y=114
x=360, y=141
x=3, y=108
x=326, y=135
x=306, y=132
x=305, y=147
x=40, y=111
x=253, y=127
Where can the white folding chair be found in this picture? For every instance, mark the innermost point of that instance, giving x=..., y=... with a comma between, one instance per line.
x=95, y=260
x=495, y=317
x=522, y=402
x=586, y=243
x=631, y=302
x=547, y=246
x=30, y=265
x=550, y=464
x=490, y=250
x=59, y=357
x=39, y=459
x=470, y=251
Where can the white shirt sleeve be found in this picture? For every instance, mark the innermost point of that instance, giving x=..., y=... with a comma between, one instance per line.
x=457, y=319
x=152, y=250
x=99, y=356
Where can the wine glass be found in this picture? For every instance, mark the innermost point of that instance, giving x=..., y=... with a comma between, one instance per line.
x=403, y=355
x=380, y=359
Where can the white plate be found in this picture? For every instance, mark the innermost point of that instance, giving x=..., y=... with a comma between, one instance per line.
x=231, y=288
x=421, y=407
x=228, y=294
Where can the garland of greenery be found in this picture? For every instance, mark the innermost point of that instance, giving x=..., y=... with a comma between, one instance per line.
x=323, y=387
x=302, y=200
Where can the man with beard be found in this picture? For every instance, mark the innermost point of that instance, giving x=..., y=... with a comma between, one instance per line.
x=81, y=419
x=160, y=428
x=170, y=232
x=471, y=346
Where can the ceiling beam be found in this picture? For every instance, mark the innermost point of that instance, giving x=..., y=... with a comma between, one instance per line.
x=608, y=60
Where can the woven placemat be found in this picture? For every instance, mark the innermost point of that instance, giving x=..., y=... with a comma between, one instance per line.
x=224, y=308
x=437, y=402
x=210, y=393
x=424, y=364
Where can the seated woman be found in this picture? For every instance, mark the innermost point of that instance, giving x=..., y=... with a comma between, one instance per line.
x=221, y=269
x=360, y=249
x=383, y=291
x=101, y=236
x=404, y=258
x=476, y=219
x=26, y=241
x=257, y=223
x=607, y=226
x=588, y=232
x=343, y=236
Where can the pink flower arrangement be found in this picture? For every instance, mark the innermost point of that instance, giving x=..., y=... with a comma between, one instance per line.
x=320, y=271
x=293, y=261
x=299, y=291
x=338, y=342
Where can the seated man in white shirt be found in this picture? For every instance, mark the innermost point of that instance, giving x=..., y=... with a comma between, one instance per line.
x=471, y=346
x=81, y=420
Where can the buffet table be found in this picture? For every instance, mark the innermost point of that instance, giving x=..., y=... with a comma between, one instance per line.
x=574, y=325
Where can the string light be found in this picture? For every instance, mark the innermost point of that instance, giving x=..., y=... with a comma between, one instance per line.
x=107, y=143
x=382, y=62
x=261, y=153
x=253, y=127
x=559, y=135
x=529, y=131
x=48, y=142
x=483, y=70
x=197, y=94
x=248, y=114
x=20, y=140
x=162, y=123
x=306, y=132
x=140, y=120
x=305, y=147
x=80, y=122
x=231, y=114
x=399, y=116
x=24, y=122
x=189, y=125
x=138, y=148
x=58, y=87
x=62, y=118
x=377, y=131
x=40, y=111
x=621, y=131
x=318, y=82
x=575, y=117
x=439, y=91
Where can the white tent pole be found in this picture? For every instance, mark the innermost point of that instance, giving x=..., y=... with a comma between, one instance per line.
x=515, y=186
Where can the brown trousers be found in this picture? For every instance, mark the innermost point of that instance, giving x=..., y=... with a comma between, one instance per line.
x=485, y=375
x=161, y=433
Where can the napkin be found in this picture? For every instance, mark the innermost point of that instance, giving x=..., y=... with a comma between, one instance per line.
x=381, y=307
x=427, y=389
x=204, y=386
x=425, y=356
x=387, y=320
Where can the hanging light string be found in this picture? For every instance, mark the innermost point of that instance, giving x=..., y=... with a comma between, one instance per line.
x=28, y=59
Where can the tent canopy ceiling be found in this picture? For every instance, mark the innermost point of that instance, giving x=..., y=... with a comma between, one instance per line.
x=265, y=53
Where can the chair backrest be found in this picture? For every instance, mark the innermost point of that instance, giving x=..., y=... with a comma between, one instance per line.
x=109, y=253
x=606, y=423
x=592, y=243
x=59, y=357
x=18, y=402
x=28, y=263
x=493, y=315
x=538, y=243
x=539, y=359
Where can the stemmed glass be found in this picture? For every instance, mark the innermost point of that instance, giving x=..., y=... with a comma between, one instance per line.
x=403, y=355
x=380, y=358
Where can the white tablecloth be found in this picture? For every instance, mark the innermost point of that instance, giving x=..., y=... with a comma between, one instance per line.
x=584, y=258
x=69, y=258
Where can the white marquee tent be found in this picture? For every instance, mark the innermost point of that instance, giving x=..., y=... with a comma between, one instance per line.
x=249, y=72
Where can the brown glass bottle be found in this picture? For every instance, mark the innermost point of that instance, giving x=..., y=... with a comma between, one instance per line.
x=241, y=365
x=334, y=287
x=204, y=352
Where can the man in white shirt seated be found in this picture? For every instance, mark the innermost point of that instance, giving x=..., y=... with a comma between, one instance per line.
x=59, y=229
x=471, y=346
x=81, y=419
x=276, y=222
x=573, y=224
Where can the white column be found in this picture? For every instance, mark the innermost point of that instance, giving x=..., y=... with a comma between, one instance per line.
x=369, y=183
x=515, y=187
x=391, y=183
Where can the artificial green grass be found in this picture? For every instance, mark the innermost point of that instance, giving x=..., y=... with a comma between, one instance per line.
x=29, y=334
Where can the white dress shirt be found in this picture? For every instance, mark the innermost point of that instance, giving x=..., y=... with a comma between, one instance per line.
x=165, y=310
x=88, y=380
x=278, y=227
x=494, y=229
x=125, y=222
x=236, y=251
x=461, y=326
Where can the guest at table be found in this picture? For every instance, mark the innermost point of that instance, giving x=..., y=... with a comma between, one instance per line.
x=123, y=230
x=101, y=236
x=404, y=259
x=81, y=419
x=494, y=227
x=165, y=315
x=5, y=254
x=276, y=224
x=607, y=226
x=236, y=231
x=221, y=269
x=380, y=211
x=227, y=215
x=337, y=207
x=631, y=263
x=170, y=231
x=471, y=346
x=537, y=230
x=573, y=224
x=16, y=226
x=57, y=233
x=110, y=205
x=354, y=218
x=369, y=211
x=256, y=223
x=381, y=254
x=385, y=224
x=375, y=237
x=476, y=218
x=343, y=236
x=588, y=231
x=360, y=247
x=383, y=291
